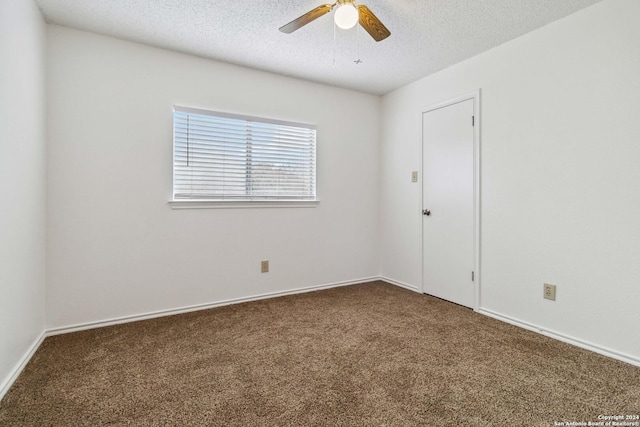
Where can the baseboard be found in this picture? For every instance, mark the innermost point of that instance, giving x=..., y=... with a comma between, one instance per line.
x=549, y=333
x=564, y=338
x=198, y=307
x=8, y=382
x=398, y=283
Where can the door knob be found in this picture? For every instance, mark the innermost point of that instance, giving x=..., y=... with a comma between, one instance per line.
x=426, y=212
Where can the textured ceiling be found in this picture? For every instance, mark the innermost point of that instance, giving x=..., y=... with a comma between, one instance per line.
x=426, y=35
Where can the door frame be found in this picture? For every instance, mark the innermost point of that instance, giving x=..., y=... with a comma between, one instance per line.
x=475, y=97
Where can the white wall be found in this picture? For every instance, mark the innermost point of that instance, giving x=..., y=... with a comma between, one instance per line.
x=560, y=175
x=115, y=248
x=22, y=173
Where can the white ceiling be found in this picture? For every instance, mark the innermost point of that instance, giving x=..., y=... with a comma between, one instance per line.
x=426, y=35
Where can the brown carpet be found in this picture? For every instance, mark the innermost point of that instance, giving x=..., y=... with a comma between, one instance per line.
x=364, y=355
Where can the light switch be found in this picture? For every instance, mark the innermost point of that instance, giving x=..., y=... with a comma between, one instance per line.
x=414, y=176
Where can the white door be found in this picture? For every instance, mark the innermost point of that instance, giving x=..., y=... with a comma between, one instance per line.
x=448, y=203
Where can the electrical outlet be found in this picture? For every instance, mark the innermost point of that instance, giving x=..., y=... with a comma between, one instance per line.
x=414, y=176
x=264, y=266
x=549, y=292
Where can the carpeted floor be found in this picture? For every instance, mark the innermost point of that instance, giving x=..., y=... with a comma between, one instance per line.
x=364, y=355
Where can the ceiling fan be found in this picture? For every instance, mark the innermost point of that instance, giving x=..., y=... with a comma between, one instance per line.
x=346, y=16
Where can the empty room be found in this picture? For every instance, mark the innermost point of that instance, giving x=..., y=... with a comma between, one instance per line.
x=290, y=213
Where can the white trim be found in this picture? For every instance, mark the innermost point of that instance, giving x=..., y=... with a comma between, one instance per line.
x=562, y=337
x=400, y=284
x=546, y=332
x=476, y=200
x=227, y=204
x=475, y=97
x=17, y=370
x=6, y=385
x=198, y=307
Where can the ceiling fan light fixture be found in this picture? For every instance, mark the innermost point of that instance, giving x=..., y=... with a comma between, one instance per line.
x=346, y=16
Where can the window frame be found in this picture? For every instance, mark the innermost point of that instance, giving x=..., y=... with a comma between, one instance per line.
x=204, y=203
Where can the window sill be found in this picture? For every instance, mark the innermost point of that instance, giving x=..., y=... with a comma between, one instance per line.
x=236, y=204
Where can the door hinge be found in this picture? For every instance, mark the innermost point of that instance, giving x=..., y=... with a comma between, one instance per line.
x=473, y=120
x=473, y=276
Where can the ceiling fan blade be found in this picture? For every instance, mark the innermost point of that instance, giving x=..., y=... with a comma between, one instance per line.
x=372, y=24
x=306, y=18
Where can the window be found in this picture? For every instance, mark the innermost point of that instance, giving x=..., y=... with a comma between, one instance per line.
x=228, y=157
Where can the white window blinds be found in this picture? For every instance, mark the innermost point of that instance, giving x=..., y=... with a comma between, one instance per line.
x=220, y=156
